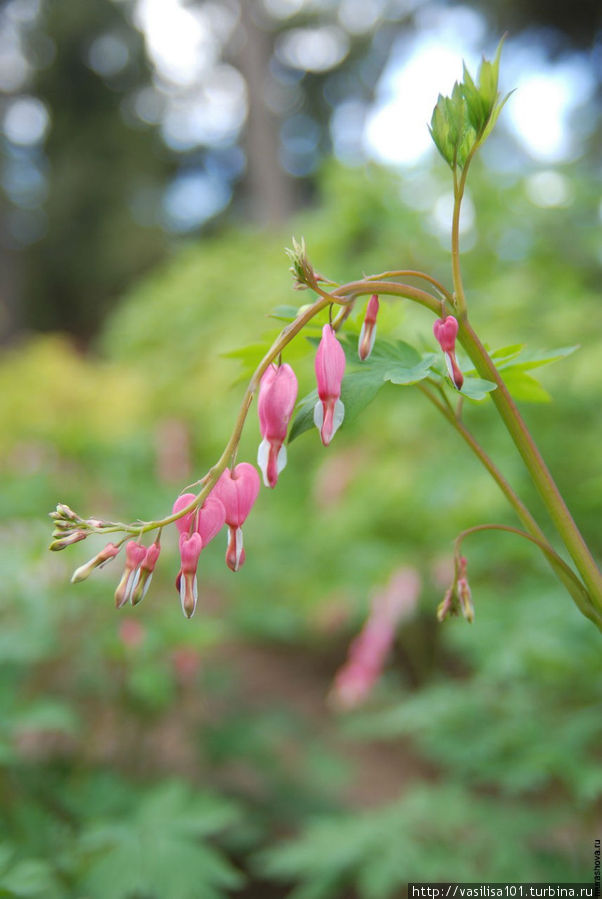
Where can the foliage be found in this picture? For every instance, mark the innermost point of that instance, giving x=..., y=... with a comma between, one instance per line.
x=103, y=735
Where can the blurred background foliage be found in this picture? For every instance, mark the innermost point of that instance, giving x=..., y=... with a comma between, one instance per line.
x=146, y=757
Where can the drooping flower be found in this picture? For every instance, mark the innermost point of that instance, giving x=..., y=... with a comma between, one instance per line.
x=197, y=529
x=368, y=331
x=237, y=489
x=275, y=404
x=368, y=652
x=330, y=367
x=134, y=554
x=211, y=519
x=145, y=573
x=445, y=331
x=190, y=550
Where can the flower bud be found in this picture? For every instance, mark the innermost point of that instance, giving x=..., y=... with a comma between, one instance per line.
x=67, y=512
x=464, y=592
x=68, y=540
x=104, y=556
x=330, y=367
x=134, y=554
x=445, y=331
x=145, y=576
x=368, y=331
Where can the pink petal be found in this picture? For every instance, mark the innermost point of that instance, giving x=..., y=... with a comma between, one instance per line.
x=183, y=524
x=212, y=517
x=329, y=365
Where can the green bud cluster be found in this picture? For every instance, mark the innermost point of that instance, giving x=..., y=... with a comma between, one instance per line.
x=463, y=122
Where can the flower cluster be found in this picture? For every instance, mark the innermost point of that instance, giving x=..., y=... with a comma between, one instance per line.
x=232, y=496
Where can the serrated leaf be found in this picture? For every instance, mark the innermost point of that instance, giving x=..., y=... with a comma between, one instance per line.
x=477, y=388
x=159, y=850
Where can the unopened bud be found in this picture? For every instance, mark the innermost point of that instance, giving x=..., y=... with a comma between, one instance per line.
x=65, y=511
x=104, y=556
x=464, y=592
x=447, y=606
x=368, y=331
x=70, y=539
x=134, y=554
x=145, y=576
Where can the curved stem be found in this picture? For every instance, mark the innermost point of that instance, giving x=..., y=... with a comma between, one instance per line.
x=210, y=479
x=543, y=545
x=534, y=462
x=562, y=571
x=411, y=273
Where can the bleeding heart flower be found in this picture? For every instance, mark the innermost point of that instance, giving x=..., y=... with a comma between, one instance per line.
x=445, y=331
x=237, y=489
x=190, y=550
x=275, y=404
x=329, y=411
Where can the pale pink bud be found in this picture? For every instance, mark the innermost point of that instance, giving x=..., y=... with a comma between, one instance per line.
x=183, y=524
x=330, y=367
x=68, y=540
x=275, y=404
x=445, y=331
x=237, y=489
x=368, y=331
x=145, y=573
x=190, y=550
x=464, y=592
x=104, y=556
x=134, y=554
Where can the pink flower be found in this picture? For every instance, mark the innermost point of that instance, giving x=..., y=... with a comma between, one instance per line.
x=275, y=404
x=445, y=331
x=144, y=575
x=134, y=554
x=330, y=367
x=368, y=332
x=197, y=529
x=190, y=550
x=237, y=489
x=368, y=652
x=183, y=524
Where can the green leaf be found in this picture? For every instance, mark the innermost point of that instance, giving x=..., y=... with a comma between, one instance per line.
x=284, y=313
x=159, y=850
x=507, y=352
x=393, y=361
x=523, y=387
x=477, y=388
x=536, y=358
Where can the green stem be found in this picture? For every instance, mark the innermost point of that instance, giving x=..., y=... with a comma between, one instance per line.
x=567, y=577
x=543, y=545
x=537, y=468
